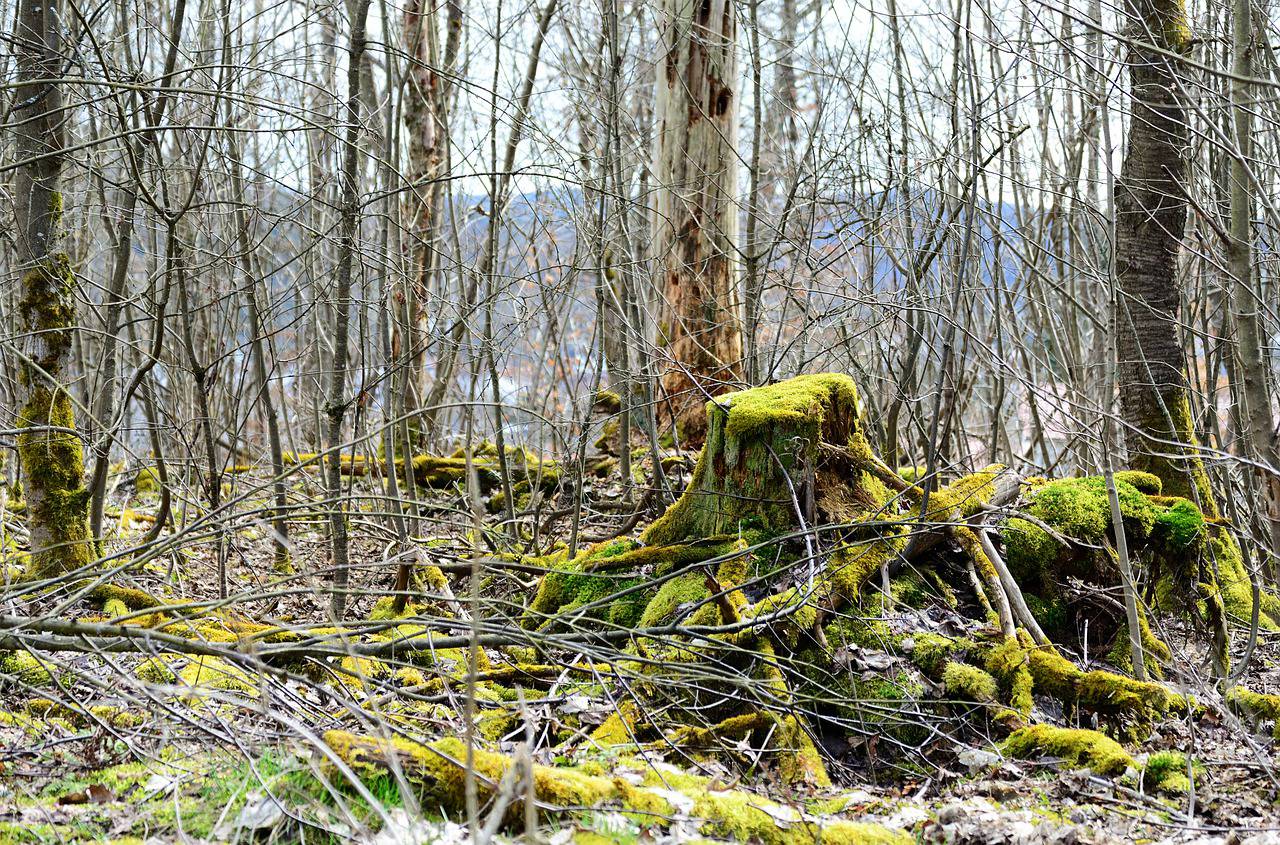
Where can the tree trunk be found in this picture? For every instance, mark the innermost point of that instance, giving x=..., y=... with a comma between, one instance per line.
x=426, y=123
x=1151, y=213
x=336, y=403
x=695, y=222
x=51, y=452
x=1247, y=303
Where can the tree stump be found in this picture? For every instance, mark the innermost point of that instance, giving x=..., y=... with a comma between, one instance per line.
x=771, y=463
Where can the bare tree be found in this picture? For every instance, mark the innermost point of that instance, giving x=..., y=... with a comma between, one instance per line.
x=338, y=401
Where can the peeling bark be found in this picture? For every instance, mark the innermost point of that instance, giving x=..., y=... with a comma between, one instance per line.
x=695, y=220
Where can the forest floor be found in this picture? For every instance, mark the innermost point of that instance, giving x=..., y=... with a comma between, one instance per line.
x=118, y=746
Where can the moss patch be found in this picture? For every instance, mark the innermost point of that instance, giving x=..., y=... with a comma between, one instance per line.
x=1078, y=747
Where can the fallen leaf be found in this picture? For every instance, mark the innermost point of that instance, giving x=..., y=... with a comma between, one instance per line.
x=99, y=794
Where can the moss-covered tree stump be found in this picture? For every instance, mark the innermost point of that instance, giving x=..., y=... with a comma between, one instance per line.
x=765, y=465
x=755, y=582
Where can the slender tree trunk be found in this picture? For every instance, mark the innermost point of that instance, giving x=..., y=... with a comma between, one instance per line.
x=1246, y=300
x=695, y=222
x=260, y=332
x=51, y=452
x=1151, y=213
x=752, y=275
x=177, y=268
x=336, y=403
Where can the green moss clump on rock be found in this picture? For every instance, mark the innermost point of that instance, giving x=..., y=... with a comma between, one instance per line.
x=147, y=480
x=1166, y=771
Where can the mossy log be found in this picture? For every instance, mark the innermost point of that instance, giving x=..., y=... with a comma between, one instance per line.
x=440, y=472
x=1078, y=747
x=436, y=773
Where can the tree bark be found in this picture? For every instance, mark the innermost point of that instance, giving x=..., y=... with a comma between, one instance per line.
x=426, y=124
x=336, y=403
x=1247, y=303
x=1151, y=214
x=695, y=220
x=51, y=452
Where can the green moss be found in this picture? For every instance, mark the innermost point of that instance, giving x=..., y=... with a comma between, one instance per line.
x=966, y=495
x=1143, y=482
x=912, y=474
x=57, y=501
x=25, y=668
x=158, y=669
x=743, y=817
x=1078, y=747
x=602, y=571
x=114, y=716
x=620, y=728
x=1235, y=585
x=851, y=565
x=754, y=437
x=1099, y=691
x=384, y=609
x=969, y=683
x=797, y=401
x=493, y=725
x=1166, y=771
x=1157, y=652
x=1009, y=664
x=608, y=402
x=435, y=771
x=791, y=612
x=891, y=703
x=130, y=597
x=677, y=599
x=783, y=741
x=797, y=759
x=147, y=480
x=932, y=652
x=214, y=673
x=1180, y=475
x=1180, y=526
x=910, y=589
x=1080, y=509
x=1258, y=706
